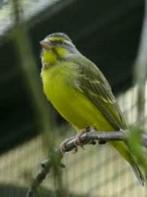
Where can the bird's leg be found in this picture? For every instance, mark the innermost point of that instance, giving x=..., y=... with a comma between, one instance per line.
x=93, y=142
x=78, y=141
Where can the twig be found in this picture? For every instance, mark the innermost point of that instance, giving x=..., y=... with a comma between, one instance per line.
x=71, y=144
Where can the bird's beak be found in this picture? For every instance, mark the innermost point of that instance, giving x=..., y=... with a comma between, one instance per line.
x=45, y=44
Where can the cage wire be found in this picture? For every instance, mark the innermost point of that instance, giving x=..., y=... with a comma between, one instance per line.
x=97, y=171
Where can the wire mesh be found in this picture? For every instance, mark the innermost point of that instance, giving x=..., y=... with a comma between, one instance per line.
x=95, y=171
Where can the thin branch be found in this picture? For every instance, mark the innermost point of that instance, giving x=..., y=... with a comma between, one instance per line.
x=71, y=144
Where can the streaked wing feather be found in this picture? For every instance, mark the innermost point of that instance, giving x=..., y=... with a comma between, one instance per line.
x=94, y=85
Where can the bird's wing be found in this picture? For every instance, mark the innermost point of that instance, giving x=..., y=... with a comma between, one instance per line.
x=92, y=83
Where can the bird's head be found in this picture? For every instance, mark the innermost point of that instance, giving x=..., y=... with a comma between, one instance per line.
x=56, y=47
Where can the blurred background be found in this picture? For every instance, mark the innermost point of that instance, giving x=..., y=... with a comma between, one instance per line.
x=113, y=35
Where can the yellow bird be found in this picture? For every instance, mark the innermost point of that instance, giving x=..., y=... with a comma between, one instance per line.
x=80, y=93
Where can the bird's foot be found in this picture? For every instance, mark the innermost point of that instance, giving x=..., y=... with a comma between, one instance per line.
x=91, y=129
x=78, y=141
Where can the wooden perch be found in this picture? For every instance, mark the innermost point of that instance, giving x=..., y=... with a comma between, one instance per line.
x=71, y=144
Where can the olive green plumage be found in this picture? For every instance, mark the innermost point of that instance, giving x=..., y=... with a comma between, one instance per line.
x=80, y=92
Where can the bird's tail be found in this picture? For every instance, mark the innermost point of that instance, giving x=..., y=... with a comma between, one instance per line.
x=138, y=173
x=124, y=151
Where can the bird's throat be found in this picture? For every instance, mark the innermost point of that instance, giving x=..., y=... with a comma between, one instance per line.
x=48, y=58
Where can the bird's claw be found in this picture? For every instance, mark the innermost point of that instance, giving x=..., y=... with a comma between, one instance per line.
x=78, y=141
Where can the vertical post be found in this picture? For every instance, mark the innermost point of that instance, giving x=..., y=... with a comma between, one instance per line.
x=140, y=74
x=141, y=70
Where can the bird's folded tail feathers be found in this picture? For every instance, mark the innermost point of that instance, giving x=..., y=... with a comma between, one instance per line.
x=122, y=148
x=138, y=173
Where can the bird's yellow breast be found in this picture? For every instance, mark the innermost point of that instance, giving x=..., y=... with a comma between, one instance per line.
x=73, y=105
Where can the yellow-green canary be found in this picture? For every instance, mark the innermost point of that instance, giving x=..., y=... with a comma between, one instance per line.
x=79, y=91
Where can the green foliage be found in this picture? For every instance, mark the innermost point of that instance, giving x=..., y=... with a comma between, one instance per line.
x=136, y=147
